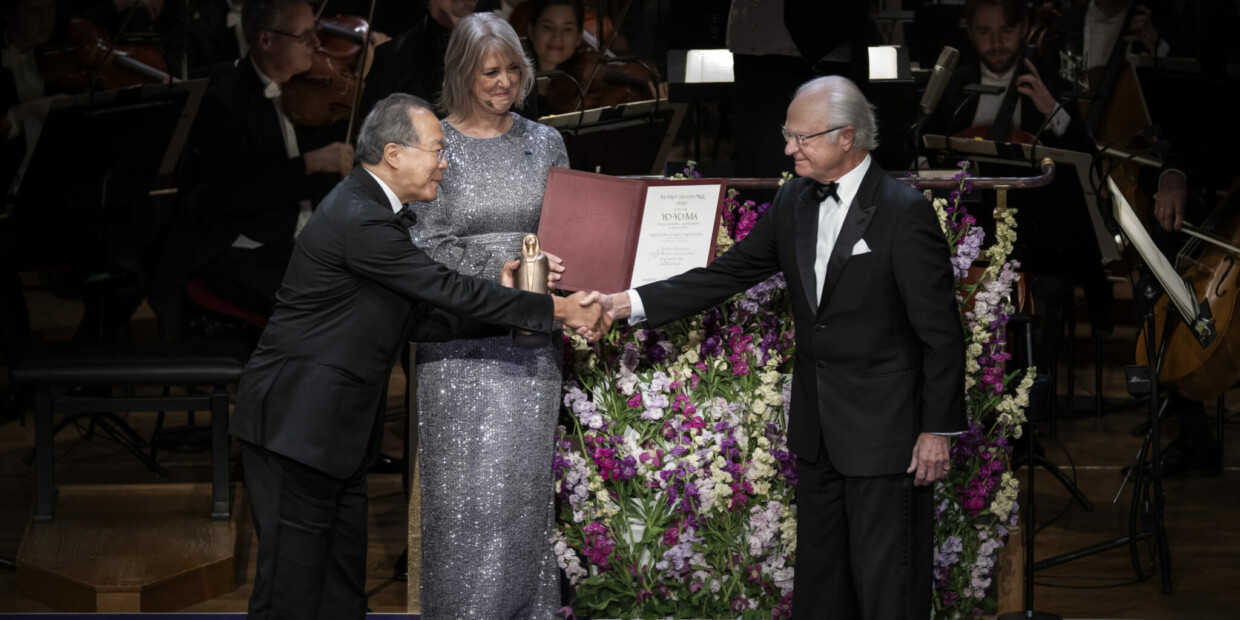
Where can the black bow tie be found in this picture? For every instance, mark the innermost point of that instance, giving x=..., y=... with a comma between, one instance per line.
x=407, y=217
x=822, y=191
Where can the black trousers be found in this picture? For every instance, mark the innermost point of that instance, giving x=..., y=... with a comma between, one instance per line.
x=864, y=545
x=311, y=532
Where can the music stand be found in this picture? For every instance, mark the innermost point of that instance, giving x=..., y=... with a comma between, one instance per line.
x=97, y=150
x=1005, y=153
x=630, y=138
x=1197, y=316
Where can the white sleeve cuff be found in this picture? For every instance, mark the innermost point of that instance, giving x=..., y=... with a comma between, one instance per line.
x=1059, y=122
x=637, y=312
x=1170, y=171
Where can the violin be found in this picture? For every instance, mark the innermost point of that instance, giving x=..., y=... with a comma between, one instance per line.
x=325, y=94
x=617, y=81
x=1204, y=373
x=86, y=61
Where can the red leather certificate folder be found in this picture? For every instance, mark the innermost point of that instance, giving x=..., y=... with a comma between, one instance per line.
x=614, y=233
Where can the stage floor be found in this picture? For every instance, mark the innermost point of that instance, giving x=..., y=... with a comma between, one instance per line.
x=1202, y=513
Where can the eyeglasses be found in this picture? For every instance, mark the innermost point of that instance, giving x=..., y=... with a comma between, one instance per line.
x=801, y=139
x=440, y=154
x=305, y=38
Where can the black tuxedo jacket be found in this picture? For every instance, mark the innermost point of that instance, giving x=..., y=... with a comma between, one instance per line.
x=252, y=187
x=880, y=357
x=354, y=290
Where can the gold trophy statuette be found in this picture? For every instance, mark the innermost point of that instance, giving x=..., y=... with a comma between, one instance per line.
x=532, y=276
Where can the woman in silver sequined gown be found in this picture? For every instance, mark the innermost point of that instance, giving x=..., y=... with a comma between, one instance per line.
x=487, y=409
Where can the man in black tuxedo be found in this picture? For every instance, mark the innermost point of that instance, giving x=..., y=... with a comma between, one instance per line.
x=260, y=179
x=997, y=29
x=309, y=405
x=879, y=374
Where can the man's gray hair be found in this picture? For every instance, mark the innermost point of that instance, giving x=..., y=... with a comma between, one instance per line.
x=476, y=36
x=846, y=106
x=260, y=15
x=388, y=123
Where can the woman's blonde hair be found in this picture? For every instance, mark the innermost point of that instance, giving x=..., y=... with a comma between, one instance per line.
x=473, y=38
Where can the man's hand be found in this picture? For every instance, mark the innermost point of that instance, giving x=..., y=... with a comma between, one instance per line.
x=507, y=275
x=1142, y=29
x=588, y=318
x=1169, y=200
x=1031, y=86
x=35, y=108
x=336, y=157
x=931, y=459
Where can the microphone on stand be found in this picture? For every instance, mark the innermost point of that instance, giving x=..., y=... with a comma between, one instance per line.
x=943, y=69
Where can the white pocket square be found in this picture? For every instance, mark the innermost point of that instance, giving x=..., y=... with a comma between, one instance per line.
x=860, y=248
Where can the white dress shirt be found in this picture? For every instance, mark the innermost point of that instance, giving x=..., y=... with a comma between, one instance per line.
x=29, y=85
x=988, y=105
x=272, y=91
x=233, y=21
x=1101, y=32
x=831, y=214
x=395, y=202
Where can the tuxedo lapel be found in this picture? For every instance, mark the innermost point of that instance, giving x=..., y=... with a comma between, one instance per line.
x=856, y=221
x=363, y=178
x=806, y=218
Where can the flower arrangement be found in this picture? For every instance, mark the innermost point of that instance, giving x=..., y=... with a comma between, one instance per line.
x=674, y=479
x=976, y=502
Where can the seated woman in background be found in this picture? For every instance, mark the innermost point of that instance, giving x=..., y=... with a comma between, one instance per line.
x=556, y=38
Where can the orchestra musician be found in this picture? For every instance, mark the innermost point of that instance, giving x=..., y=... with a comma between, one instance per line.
x=1056, y=240
x=259, y=184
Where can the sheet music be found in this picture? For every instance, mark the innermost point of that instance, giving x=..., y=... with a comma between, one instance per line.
x=708, y=66
x=1179, y=291
x=884, y=63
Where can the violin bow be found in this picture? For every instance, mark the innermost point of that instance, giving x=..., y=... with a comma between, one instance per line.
x=602, y=53
x=361, y=77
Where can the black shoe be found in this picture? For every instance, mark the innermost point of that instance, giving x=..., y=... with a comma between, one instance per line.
x=401, y=572
x=387, y=465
